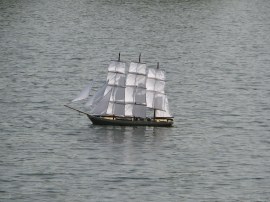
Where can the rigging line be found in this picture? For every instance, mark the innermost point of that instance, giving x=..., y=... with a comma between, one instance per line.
x=76, y=110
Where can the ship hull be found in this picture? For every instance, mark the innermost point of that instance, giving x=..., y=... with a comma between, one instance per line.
x=99, y=120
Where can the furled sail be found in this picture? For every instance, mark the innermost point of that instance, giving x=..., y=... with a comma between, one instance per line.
x=135, y=91
x=84, y=93
x=155, y=86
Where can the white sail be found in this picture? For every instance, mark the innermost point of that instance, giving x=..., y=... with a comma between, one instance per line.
x=117, y=66
x=155, y=85
x=129, y=94
x=134, y=79
x=134, y=110
x=150, y=84
x=166, y=112
x=84, y=93
x=116, y=109
x=113, y=95
x=119, y=109
x=117, y=79
x=116, y=73
x=102, y=106
x=137, y=68
x=118, y=94
x=160, y=86
x=160, y=74
x=129, y=109
x=150, y=95
x=135, y=94
x=89, y=103
x=156, y=74
x=96, y=97
x=116, y=106
x=159, y=101
x=139, y=111
x=135, y=91
x=140, y=96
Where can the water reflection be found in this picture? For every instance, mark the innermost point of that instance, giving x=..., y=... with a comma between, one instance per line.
x=123, y=134
x=117, y=134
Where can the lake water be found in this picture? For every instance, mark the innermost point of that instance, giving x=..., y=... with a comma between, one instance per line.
x=217, y=58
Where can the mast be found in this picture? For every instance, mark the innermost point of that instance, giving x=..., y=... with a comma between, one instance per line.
x=155, y=89
x=116, y=83
x=165, y=112
x=112, y=101
x=155, y=109
x=135, y=92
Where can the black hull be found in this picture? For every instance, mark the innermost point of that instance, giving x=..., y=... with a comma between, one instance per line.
x=99, y=120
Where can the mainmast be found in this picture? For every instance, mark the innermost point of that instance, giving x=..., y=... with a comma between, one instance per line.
x=135, y=92
x=113, y=101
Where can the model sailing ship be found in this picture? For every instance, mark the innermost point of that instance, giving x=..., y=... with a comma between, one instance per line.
x=127, y=96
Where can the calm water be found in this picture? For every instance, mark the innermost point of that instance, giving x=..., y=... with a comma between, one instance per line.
x=217, y=58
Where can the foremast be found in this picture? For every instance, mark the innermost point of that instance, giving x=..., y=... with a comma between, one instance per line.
x=113, y=101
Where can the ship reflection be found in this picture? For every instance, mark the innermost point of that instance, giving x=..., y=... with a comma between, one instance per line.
x=124, y=134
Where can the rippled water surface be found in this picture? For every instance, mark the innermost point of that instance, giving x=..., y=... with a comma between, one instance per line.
x=217, y=58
